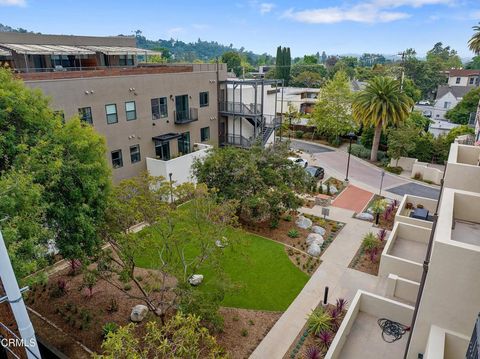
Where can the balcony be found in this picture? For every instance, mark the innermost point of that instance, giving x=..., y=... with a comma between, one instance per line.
x=405, y=212
x=239, y=141
x=240, y=108
x=359, y=335
x=405, y=252
x=463, y=170
x=445, y=344
x=179, y=167
x=185, y=116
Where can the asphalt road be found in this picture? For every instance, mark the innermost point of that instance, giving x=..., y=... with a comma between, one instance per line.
x=362, y=172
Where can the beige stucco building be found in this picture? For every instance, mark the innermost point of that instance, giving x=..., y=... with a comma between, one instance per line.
x=144, y=110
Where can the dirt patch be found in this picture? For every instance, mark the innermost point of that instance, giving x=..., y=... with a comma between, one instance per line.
x=287, y=225
x=244, y=330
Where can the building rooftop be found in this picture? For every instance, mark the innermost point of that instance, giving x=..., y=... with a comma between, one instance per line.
x=462, y=72
x=457, y=91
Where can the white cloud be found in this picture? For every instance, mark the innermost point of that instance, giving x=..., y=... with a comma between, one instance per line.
x=175, y=31
x=365, y=13
x=372, y=11
x=266, y=7
x=20, y=3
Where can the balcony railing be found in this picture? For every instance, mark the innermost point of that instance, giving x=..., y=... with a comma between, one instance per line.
x=186, y=116
x=241, y=108
x=237, y=140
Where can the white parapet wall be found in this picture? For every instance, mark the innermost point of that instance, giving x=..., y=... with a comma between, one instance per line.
x=445, y=344
x=405, y=162
x=403, y=213
x=180, y=167
x=427, y=173
x=375, y=305
x=402, y=264
x=401, y=288
x=463, y=170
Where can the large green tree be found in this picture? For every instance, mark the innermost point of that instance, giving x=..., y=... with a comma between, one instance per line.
x=283, y=64
x=465, y=108
x=263, y=180
x=233, y=61
x=332, y=115
x=380, y=104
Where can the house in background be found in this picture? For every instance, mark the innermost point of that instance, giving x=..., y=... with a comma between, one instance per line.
x=464, y=78
x=447, y=98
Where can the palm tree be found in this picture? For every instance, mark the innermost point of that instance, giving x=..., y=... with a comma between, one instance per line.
x=474, y=42
x=380, y=104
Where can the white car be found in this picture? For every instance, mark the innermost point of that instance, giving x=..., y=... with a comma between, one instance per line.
x=299, y=161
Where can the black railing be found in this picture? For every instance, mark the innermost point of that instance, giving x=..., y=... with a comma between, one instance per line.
x=186, y=116
x=240, y=108
x=473, y=351
x=237, y=140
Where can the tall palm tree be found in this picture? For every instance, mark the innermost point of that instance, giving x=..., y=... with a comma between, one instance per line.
x=474, y=42
x=380, y=104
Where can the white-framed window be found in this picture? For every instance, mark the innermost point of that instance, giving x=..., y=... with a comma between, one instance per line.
x=135, y=154
x=111, y=113
x=130, y=110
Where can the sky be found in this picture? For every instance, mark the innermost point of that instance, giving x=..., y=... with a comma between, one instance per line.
x=336, y=27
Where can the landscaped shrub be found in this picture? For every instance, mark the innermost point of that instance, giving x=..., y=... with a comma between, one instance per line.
x=307, y=135
x=110, y=327
x=60, y=289
x=287, y=218
x=293, y=233
x=313, y=352
x=299, y=134
x=112, y=306
x=417, y=176
x=397, y=170
x=244, y=333
x=326, y=338
x=319, y=321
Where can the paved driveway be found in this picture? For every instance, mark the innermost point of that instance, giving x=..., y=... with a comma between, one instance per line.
x=309, y=147
x=416, y=190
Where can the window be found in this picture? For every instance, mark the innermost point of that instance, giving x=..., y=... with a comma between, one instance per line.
x=472, y=80
x=457, y=81
x=204, y=134
x=117, y=160
x=446, y=104
x=130, y=110
x=184, y=143
x=203, y=99
x=159, y=108
x=111, y=111
x=126, y=60
x=135, y=154
x=85, y=114
x=61, y=114
x=162, y=150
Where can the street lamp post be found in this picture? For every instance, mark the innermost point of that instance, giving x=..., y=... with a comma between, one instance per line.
x=289, y=127
x=381, y=183
x=351, y=135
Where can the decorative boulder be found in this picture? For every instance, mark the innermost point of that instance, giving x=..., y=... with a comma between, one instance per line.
x=369, y=210
x=314, y=238
x=52, y=248
x=195, y=279
x=319, y=230
x=365, y=216
x=333, y=190
x=139, y=312
x=314, y=250
x=303, y=222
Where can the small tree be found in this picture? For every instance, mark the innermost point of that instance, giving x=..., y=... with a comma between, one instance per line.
x=401, y=141
x=180, y=337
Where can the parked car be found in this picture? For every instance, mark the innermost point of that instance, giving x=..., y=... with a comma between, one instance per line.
x=316, y=172
x=424, y=102
x=299, y=161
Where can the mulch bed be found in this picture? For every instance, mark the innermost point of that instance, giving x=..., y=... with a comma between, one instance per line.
x=362, y=261
x=280, y=234
x=82, y=318
x=305, y=340
x=385, y=223
x=244, y=329
x=339, y=185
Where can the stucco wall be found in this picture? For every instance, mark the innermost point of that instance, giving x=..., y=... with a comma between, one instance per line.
x=402, y=215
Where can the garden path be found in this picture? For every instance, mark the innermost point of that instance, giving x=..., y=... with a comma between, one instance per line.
x=333, y=272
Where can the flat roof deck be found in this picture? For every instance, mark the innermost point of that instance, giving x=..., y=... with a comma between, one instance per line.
x=409, y=249
x=365, y=341
x=466, y=232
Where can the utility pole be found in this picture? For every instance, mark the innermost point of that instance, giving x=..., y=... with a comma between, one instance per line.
x=15, y=299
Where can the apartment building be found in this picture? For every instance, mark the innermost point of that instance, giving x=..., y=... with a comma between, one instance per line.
x=431, y=263
x=145, y=111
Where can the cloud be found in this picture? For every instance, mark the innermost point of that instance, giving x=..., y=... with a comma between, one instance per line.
x=175, y=31
x=21, y=3
x=363, y=13
x=266, y=7
x=372, y=11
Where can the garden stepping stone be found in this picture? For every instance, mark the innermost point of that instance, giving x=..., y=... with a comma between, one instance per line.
x=139, y=312
x=303, y=222
x=315, y=238
x=319, y=230
x=314, y=250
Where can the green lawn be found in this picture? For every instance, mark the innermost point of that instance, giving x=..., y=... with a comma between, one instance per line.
x=265, y=276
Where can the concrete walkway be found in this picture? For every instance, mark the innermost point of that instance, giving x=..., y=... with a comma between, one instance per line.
x=342, y=281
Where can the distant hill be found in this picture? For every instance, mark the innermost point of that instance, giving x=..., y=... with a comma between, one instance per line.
x=6, y=28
